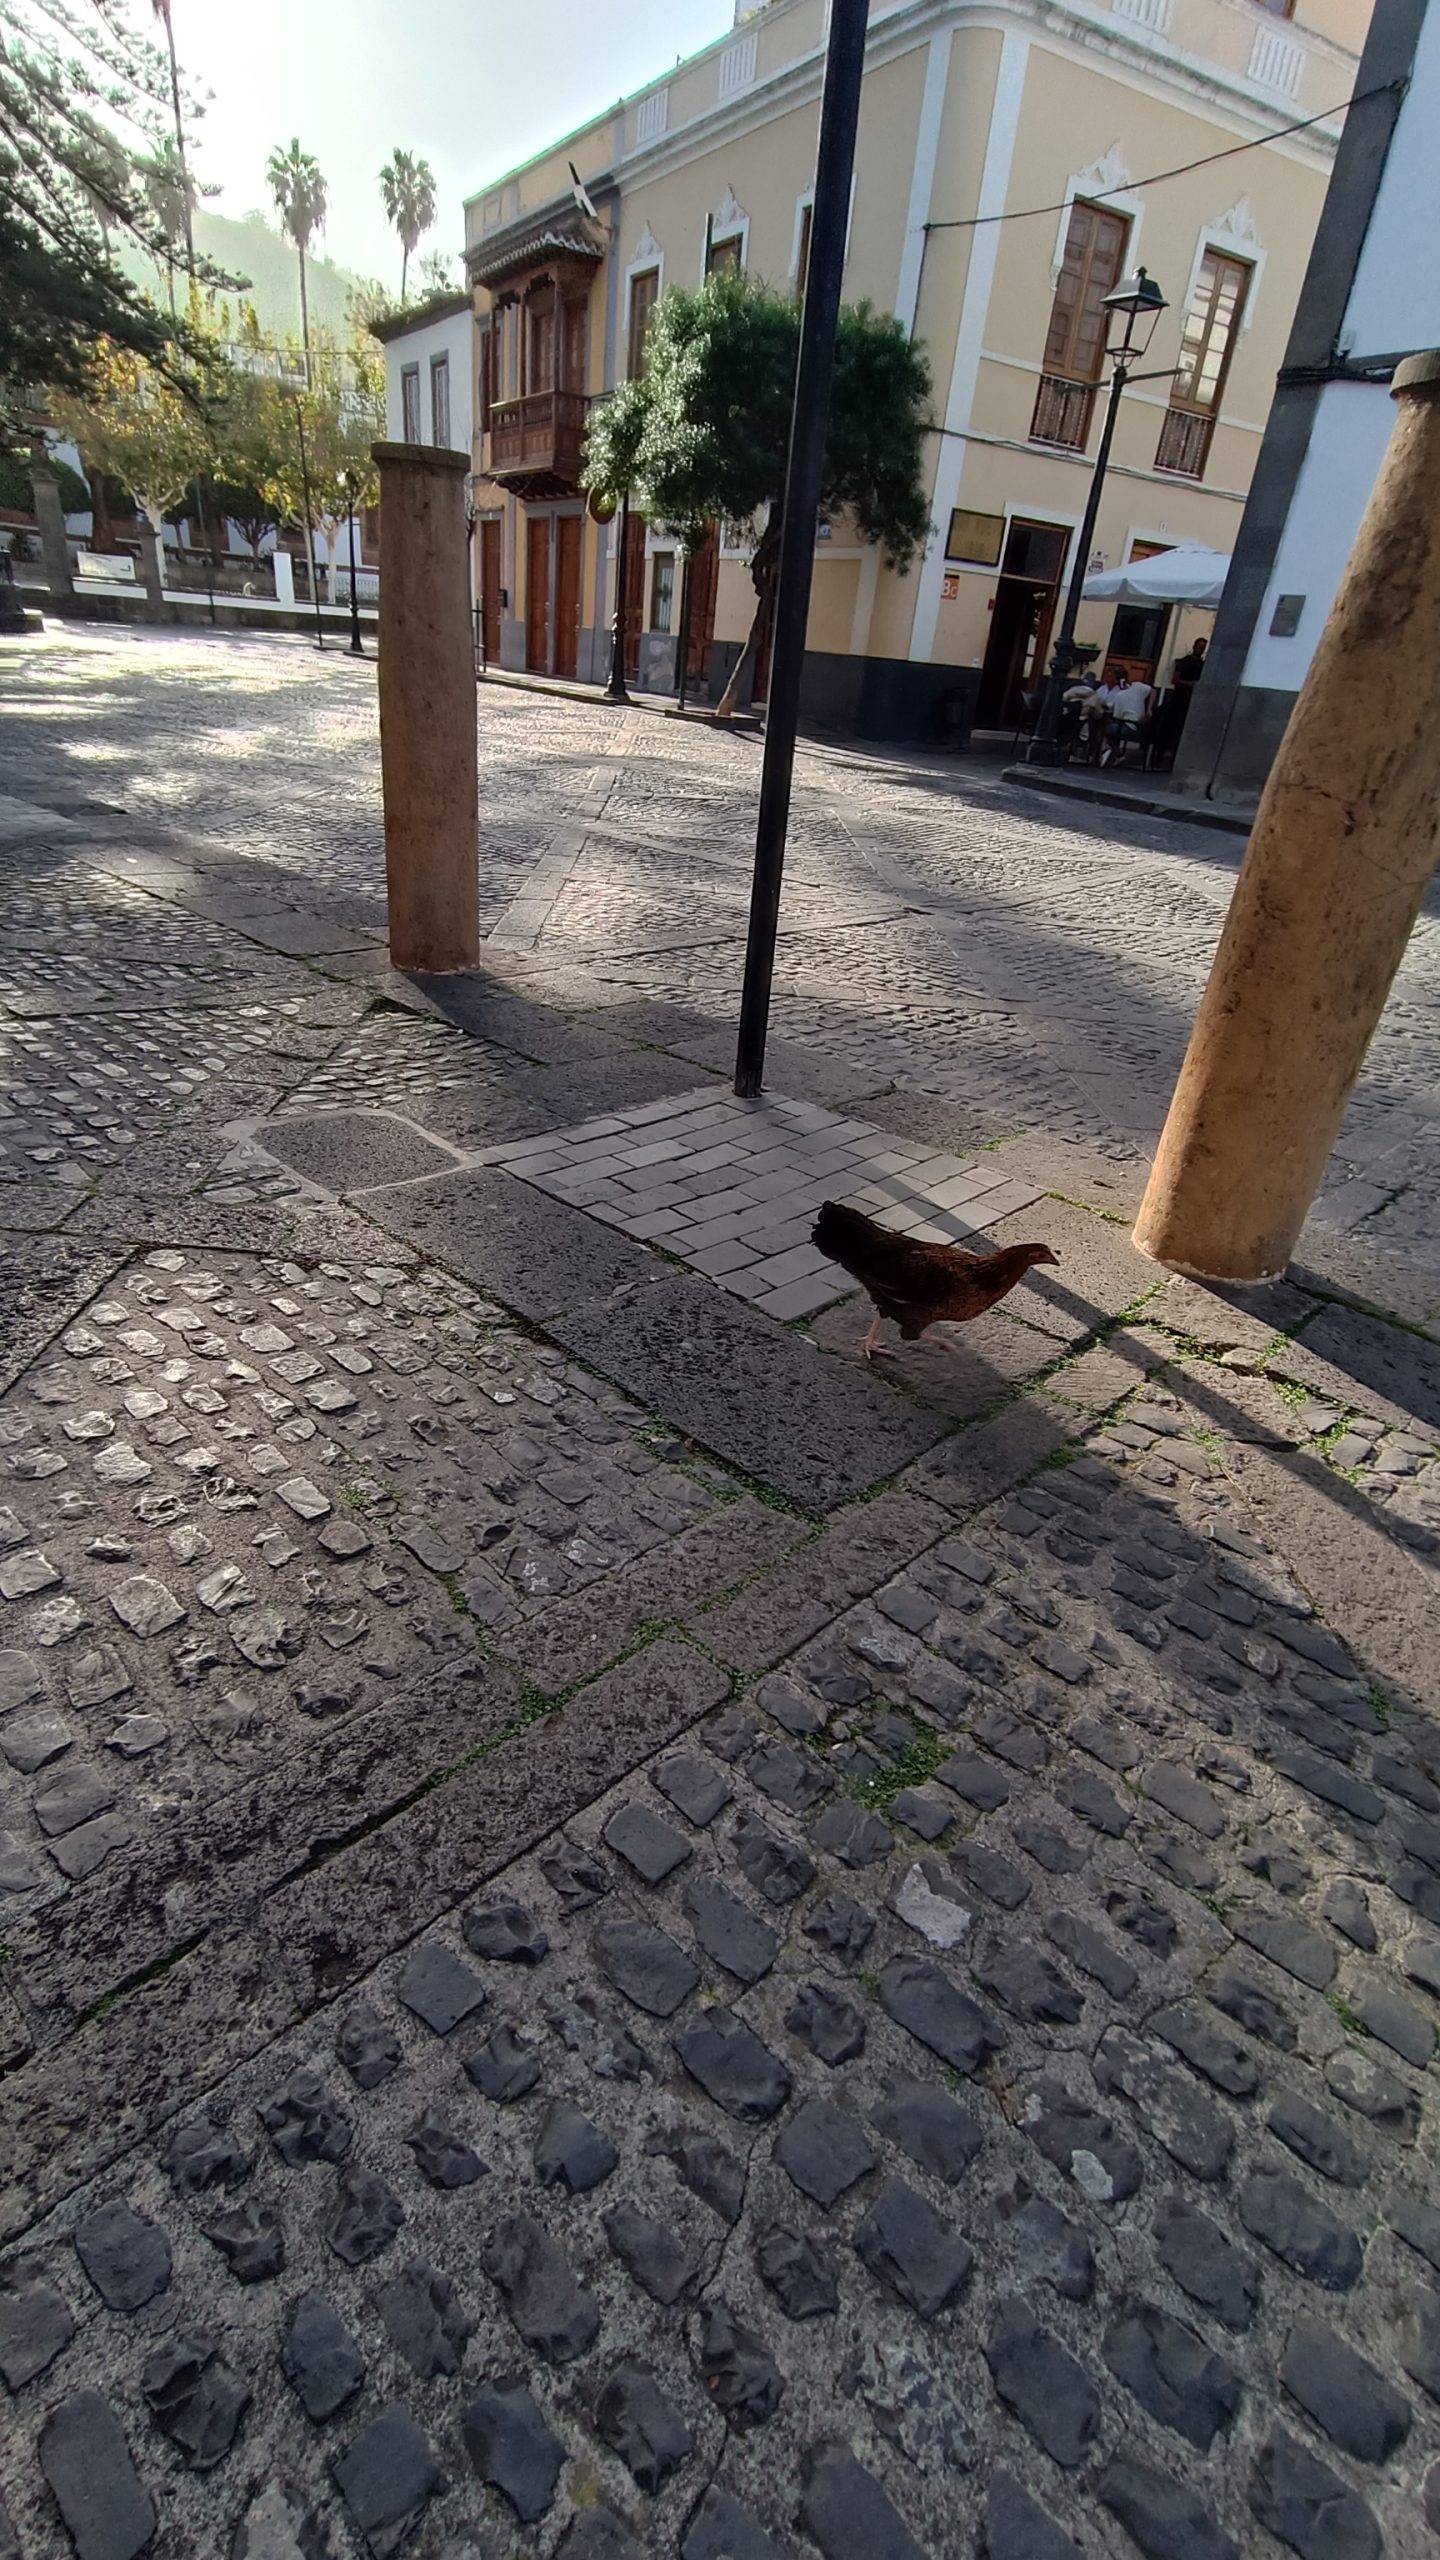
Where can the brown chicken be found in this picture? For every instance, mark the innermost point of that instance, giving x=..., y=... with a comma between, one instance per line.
x=915, y=1284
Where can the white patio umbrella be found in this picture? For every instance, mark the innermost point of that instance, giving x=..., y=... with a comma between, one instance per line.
x=1187, y=575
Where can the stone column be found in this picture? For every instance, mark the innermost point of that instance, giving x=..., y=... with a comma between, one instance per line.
x=152, y=571
x=427, y=709
x=1342, y=850
x=54, y=541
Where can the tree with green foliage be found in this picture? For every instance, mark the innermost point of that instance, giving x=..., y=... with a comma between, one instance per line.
x=82, y=97
x=704, y=432
x=407, y=187
x=301, y=200
x=137, y=424
x=343, y=406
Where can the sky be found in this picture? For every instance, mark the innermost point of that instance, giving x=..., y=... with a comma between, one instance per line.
x=472, y=85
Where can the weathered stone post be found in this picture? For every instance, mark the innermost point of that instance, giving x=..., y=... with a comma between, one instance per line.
x=1343, y=847
x=427, y=710
x=152, y=570
x=54, y=541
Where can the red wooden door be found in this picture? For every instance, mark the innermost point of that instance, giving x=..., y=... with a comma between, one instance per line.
x=568, y=531
x=490, y=587
x=704, y=578
x=537, y=595
x=634, y=591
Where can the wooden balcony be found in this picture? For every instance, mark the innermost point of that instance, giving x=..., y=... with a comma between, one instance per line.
x=534, y=445
x=1184, y=443
x=1062, y=413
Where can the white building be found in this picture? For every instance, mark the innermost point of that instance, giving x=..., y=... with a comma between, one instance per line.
x=1371, y=296
x=429, y=369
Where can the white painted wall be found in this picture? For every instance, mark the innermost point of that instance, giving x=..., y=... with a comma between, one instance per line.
x=1394, y=305
x=452, y=337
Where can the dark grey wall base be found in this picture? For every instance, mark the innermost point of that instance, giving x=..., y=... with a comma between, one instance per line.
x=232, y=613
x=1231, y=739
x=894, y=700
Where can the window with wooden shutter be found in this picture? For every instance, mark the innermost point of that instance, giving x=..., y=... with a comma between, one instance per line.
x=1207, y=343
x=802, y=255
x=1090, y=268
x=1075, y=340
x=643, y=290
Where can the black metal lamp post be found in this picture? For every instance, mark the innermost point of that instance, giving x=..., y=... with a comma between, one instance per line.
x=810, y=418
x=615, y=690
x=357, y=646
x=309, y=522
x=1133, y=308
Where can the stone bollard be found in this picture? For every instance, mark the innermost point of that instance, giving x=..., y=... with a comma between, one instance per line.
x=152, y=572
x=54, y=540
x=427, y=710
x=1343, y=847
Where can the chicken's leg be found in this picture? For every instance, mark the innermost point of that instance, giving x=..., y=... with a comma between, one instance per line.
x=871, y=1341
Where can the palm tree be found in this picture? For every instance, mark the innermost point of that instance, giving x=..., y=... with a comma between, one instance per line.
x=300, y=201
x=407, y=186
x=170, y=192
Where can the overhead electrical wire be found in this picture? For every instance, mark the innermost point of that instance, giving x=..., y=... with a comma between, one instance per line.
x=1030, y=212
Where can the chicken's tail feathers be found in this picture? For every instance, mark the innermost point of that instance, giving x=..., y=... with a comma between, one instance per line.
x=839, y=1230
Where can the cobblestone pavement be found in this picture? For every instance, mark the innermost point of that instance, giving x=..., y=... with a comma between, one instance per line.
x=619, y=1936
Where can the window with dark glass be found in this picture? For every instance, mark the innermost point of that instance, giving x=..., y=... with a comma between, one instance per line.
x=802, y=254
x=724, y=257
x=410, y=404
x=662, y=590
x=487, y=377
x=440, y=399
x=643, y=290
x=1074, y=355
x=1207, y=343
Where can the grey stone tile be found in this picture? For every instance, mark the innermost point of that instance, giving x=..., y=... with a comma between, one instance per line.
x=536, y=1255
x=754, y=1396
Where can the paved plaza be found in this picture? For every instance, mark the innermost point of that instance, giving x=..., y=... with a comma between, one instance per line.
x=623, y=1935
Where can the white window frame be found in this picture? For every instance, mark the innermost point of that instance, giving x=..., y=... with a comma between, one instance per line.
x=728, y=221
x=410, y=375
x=1091, y=188
x=1233, y=236
x=801, y=202
x=440, y=366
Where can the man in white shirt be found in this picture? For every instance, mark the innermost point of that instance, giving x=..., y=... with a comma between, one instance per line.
x=1127, y=708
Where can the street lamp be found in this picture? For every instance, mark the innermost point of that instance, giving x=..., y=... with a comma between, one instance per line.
x=603, y=510
x=1131, y=313
x=309, y=520
x=357, y=646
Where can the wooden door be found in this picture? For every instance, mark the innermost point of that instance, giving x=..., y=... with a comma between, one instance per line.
x=634, y=581
x=537, y=595
x=704, y=578
x=574, y=375
x=568, y=531
x=490, y=588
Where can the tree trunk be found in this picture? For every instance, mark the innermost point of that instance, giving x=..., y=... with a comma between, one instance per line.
x=762, y=572
x=102, y=523
x=304, y=316
x=404, y=267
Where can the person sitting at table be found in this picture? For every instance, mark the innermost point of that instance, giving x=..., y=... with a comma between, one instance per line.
x=1081, y=715
x=1127, y=705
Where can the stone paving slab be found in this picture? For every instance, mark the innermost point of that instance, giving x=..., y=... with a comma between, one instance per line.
x=763, y=1401
x=354, y=1150
x=673, y=1948
x=536, y=1254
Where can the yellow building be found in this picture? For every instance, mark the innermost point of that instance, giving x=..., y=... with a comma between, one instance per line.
x=1002, y=187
